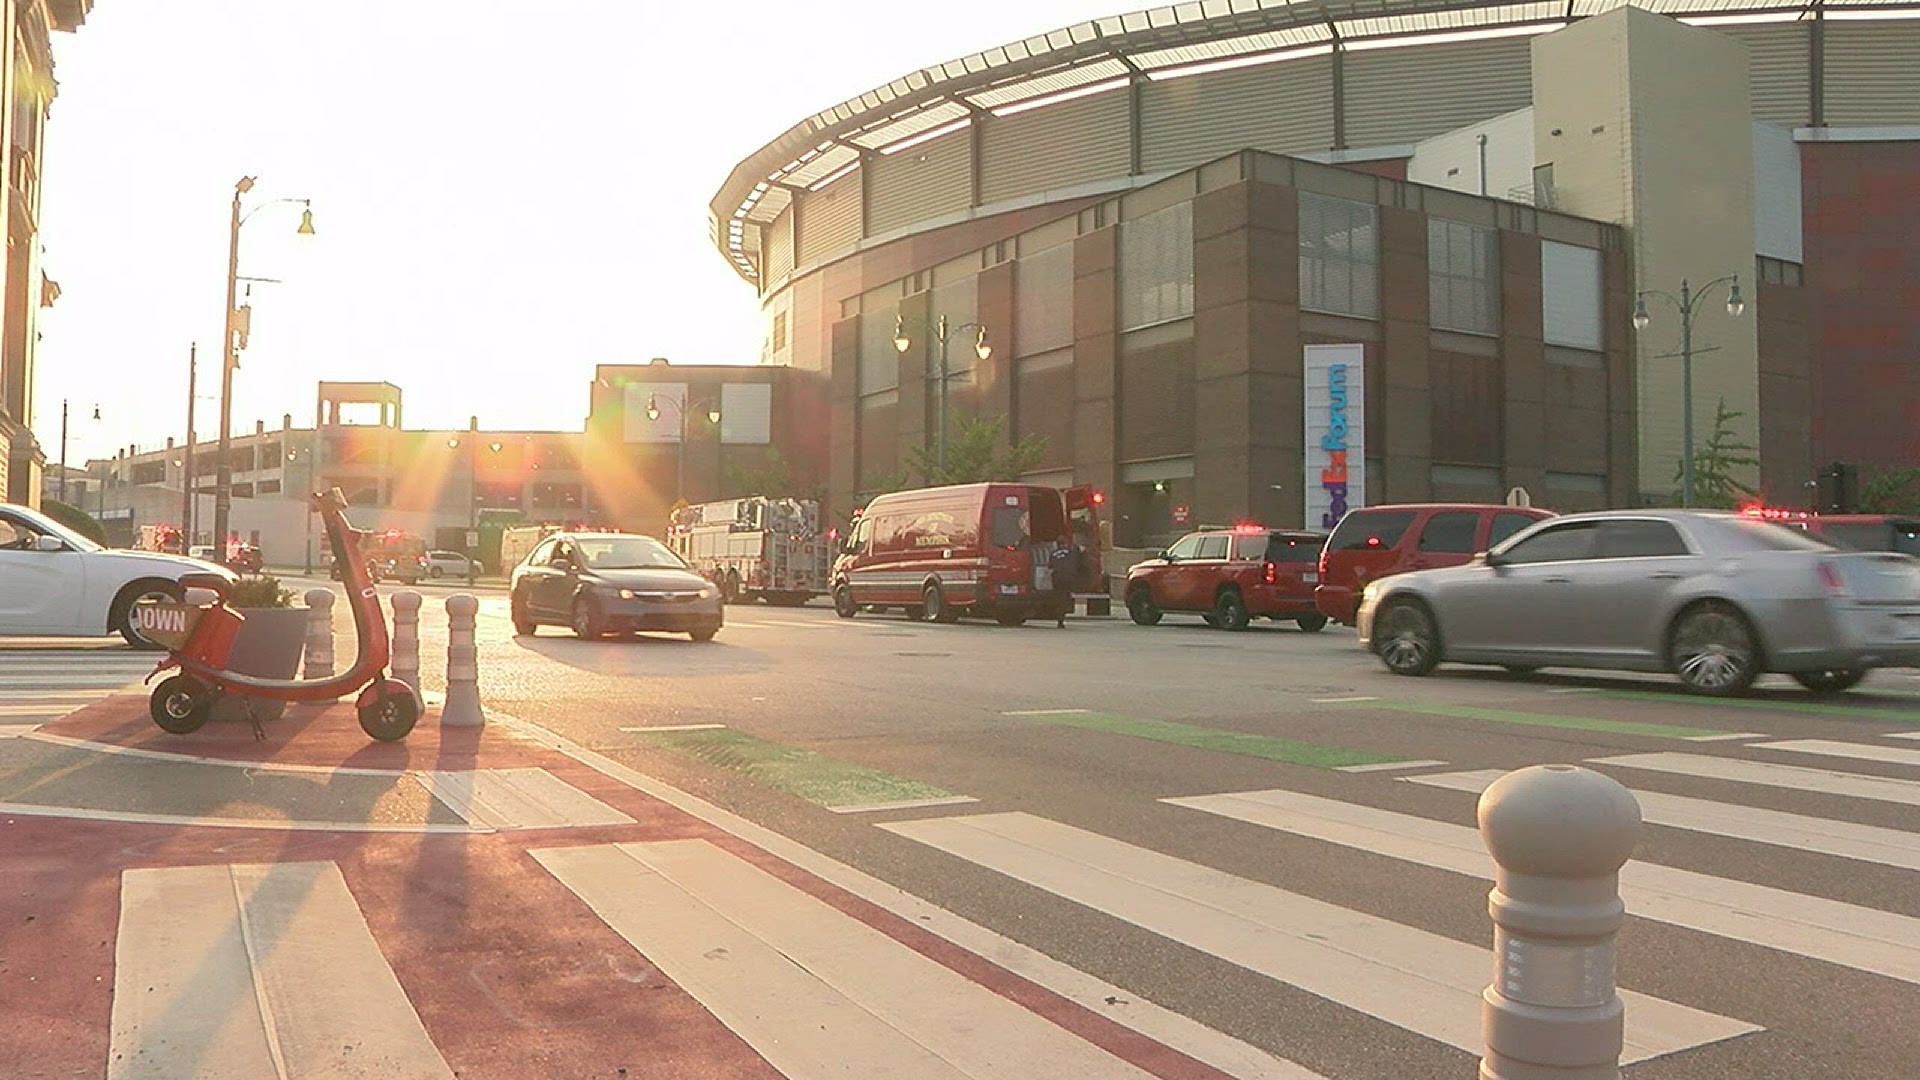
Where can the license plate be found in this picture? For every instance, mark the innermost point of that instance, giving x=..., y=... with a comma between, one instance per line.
x=1310, y=578
x=1007, y=589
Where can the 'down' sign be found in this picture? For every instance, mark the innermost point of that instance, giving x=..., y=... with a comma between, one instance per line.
x=1336, y=430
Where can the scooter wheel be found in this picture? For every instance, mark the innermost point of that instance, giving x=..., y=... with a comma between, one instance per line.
x=180, y=705
x=391, y=719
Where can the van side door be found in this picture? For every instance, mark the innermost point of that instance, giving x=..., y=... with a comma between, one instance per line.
x=1083, y=518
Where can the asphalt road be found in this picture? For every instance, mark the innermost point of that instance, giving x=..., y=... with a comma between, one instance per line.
x=1032, y=767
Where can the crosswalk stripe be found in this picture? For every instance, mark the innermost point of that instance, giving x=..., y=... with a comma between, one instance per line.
x=1846, y=934
x=214, y=975
x=14, y=731
x=1867, y=843
x=1768, y=774
x=1833, y=748
x=102, y=681
x=1410, y=978
x=1901, y=734
x=518, y=799
x=815, y=991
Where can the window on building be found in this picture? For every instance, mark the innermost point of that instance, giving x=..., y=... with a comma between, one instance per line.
x=150, y=472
x=1339, y=256
x=268, y=487
x=746, y=413
x=1463, y=274
x=1043, y=301
x=1570, y=295
x=1156, y=267
x=1779, y=272
x=779, y=330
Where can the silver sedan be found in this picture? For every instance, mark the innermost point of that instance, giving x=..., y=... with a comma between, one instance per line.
x=1714, y=598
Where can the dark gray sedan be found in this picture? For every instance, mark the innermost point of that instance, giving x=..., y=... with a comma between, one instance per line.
x=612, y=583
x=1714, y=598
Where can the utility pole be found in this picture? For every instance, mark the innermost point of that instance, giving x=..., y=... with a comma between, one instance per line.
x=223, y=465
x=186, y=457
x=63, y=449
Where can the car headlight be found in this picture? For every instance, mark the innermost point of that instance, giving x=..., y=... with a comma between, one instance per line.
x=708, y=592
x=626, y=594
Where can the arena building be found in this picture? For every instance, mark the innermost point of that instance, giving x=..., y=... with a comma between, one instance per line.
x=1151, y=217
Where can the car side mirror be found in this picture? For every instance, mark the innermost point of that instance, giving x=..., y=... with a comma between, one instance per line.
x=565, y=566
x=50, y=543
x=1490, y=559
x=1164, y=555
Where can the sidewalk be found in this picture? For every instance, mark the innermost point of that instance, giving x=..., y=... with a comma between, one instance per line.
x=490, y=902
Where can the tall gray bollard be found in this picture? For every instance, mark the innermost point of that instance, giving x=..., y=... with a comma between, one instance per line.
x=406, y=638
x=319, y=633
x=462, y=708
x=1560, y=834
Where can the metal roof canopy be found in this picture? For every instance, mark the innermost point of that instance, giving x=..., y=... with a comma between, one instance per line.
x=1154, y=43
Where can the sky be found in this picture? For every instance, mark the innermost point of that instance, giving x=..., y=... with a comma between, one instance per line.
x=504, y=194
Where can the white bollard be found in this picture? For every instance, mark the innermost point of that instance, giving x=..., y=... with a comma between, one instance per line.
x=462, y=707
x=1560, y=834
x=319, y=633
x=406, y=638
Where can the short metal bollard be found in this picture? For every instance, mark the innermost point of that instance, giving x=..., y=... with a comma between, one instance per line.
x=1560, y=834
x=406, y=638
x=319, y=633
x=462, y=707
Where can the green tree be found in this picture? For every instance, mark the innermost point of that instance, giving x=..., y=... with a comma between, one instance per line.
x=74, y=518
x=1892, y=491
x=976, y=453
x=772, y=477
x=1715, y=463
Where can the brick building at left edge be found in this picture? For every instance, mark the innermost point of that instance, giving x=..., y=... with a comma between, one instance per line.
x=28, y=88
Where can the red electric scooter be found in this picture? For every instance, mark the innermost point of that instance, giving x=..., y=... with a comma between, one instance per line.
x=199, y=639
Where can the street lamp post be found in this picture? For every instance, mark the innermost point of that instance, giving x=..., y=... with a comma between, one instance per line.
x=1686, y=302
x=942, y=331
x=238, y=322
x=473, y=490
x=63, y=445
x=681, y=406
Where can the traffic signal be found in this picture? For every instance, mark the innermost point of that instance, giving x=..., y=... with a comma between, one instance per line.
x=1838, y=489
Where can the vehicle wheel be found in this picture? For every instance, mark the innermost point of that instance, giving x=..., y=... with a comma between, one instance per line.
x=705, y=633
x=120, y=616
x=586, y=619
x=934, y=606
x=843, y=604
x=180, y=705
x=1312, y=624
x=1230, y=610
x=1405, y=637
x=391, y=718
x=1141, y=608
x=434, y=571
x=1010, y=618
x=1830, y=681
x=523, y=623
x=1210, y=619
x=1713, y=650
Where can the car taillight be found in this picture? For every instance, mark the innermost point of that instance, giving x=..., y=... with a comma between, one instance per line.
x=1323, y=563
x=1273, y=573
x=1831, y=581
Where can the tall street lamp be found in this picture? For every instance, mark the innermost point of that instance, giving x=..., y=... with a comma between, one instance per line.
x=1686, y=302
x=941, y=332
x=473, y=490
x=683, y=408
x=238, y=322
x=63, y=445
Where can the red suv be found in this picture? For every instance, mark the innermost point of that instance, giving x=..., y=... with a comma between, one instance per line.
x=1229, y=576
x=1380, y=541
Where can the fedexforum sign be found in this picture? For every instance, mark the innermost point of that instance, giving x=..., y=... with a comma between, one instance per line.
x=1336, y=428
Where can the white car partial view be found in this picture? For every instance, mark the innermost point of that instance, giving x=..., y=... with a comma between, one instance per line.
x=450, y=564
x=56, y=583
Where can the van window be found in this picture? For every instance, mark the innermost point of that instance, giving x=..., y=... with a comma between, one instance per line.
x=1009, y=529
x=1186, y=548
x=1451, y=531
x=1043, y=508
x=1252, y=548
x=1507, y=525
x=1213, y=547
x=1365, y=529
x=1295, y=549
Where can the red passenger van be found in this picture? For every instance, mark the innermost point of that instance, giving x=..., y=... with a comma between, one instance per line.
x=971, y=549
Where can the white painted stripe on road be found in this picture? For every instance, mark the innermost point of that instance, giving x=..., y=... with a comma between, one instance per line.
x=1900, y=734
x=1341, y=700
x=136, y=817
x=102, y=681
x=1410, y=978
x=1574, y=690
x=14, y=731
x=1726, y=737
x=518, y=799
x=1045, y=712
x=1868, y=843
x=38, y=709
x=1387, y=766
x=675, y=727
x=201, y=759
x=1894, y=755
x=800, y=625
x=1846, y=934
x=815, y=991
x=903, y=804
x=1096, y=995
x=215, y=975
x=1792, y=777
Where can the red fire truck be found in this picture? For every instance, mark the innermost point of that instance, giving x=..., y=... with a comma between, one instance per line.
x=391, y=555
x=772, y=549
